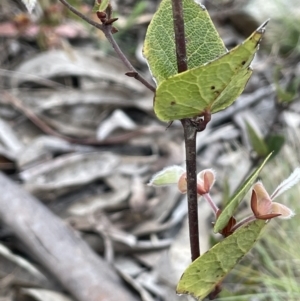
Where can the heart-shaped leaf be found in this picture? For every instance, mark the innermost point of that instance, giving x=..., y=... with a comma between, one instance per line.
x=203, y=43
x=202, y=275
x=211, y=87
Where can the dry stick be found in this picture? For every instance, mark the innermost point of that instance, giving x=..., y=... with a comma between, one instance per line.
x=189, y=135
x=84, y=274
x=106, y=29
x=44, y=127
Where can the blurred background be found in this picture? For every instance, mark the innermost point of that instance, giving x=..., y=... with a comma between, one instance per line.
x=82, y=137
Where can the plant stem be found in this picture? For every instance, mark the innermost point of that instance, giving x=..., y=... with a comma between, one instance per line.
x=211, y=203
x=82, y=16
x=190, y=132
x=190, y=150
x=243, y=222
x=179, y=35
x=106, y=29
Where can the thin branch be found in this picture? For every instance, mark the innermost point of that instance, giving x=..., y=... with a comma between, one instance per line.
x=245, y=221
x=82, y=16
x=106, y=29
x=211, y=203
x=190, y=133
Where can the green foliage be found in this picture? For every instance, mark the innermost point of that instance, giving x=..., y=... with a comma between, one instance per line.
x=100, y=7
x=275, y=143
x=203, y=41
x=229, y=210
x=263, y=146
x=285, y=34
x=257, y=141
x=270, y=272
x=213, y=81
x=226, y=192
x=169, y=175
x=211, y=87
x=288, y=93
x=201, y=277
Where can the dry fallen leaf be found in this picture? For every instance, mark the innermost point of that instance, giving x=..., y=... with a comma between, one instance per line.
x=44, y=295
x=68, y=172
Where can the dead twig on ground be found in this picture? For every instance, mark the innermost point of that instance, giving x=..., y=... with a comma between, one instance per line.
x=57, y=247
x=44, y=127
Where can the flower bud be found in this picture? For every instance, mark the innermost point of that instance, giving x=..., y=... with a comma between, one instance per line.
x=205, y=181
x=264, y=208
x=182, y=184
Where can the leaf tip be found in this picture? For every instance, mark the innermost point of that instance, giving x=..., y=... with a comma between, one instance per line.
x=167, y=176
x=262, y=27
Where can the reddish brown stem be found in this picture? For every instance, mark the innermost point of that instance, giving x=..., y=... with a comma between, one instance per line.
x=190, y=150
x=190, y=132
x=179, y=35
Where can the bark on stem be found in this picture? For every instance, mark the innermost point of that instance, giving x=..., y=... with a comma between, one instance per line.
x=190, y=132
x=179, y=35
x=190, y=151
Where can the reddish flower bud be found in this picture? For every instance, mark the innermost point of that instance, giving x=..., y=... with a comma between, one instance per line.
x=182, y=184
x=205, y=181
x=101, y=15
x=264, y=208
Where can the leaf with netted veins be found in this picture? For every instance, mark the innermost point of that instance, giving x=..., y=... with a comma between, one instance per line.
x=203, y=274
x=208, y=88
x=203, y=43
x=229, y=210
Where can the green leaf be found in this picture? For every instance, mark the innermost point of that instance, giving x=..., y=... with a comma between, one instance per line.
x=167, y=176
x=226, y=192
x=284, y=96
x=211, y=87
x=290, y=91
x=257, y=142
x=103, y=5
x=229, y=210
x=275, y=143
x=201, y=277
x=100, y=7
x=203, y=41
